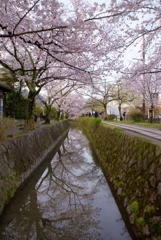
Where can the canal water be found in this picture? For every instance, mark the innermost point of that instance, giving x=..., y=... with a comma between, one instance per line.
x=67, y=198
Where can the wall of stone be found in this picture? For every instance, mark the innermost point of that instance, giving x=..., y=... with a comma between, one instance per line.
x=133, y=167
x=21, y=156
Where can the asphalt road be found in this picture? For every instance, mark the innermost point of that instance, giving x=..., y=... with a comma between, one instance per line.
x=150, y=133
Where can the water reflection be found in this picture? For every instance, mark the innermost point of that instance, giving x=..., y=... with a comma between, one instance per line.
x=71, y=200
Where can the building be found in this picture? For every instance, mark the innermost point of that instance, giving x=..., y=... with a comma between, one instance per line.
x=112, y=108
x=3, y=90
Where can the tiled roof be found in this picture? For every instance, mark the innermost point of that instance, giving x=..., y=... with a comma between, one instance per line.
x=4, y=87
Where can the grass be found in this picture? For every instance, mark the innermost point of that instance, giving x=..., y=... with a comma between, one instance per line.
x=144, y=124
x=118, y=129
x=142, y=138
x=10, y=129
x=121, y=129
x=112, y=127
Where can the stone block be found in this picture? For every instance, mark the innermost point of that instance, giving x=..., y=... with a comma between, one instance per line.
x=159, y=188
x=152, y=181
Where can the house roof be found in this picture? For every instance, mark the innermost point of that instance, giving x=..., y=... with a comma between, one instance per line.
x=4, y=87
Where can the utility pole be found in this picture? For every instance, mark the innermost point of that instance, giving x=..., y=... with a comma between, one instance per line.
x=143, y=56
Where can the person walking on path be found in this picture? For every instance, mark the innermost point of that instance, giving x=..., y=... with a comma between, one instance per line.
x=96, y=114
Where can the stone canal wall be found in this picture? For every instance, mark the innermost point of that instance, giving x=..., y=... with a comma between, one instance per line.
x=20, y=157
x=133, y=168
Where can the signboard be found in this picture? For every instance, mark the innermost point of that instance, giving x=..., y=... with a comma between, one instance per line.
x=1, y=107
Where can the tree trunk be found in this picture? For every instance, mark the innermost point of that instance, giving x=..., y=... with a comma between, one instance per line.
x=105, y=112
x=47, y=119
x=120, y=112
x=151, y=114
x=31, y=99
x=58, y=116
x=48, y=111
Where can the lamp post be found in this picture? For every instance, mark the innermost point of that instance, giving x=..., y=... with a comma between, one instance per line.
x=143, y=75
x=143, y=60
x=153, y=98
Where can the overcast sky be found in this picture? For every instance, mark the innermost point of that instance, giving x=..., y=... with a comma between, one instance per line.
x=92, y=1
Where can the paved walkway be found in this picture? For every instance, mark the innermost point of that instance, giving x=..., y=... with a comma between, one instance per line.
x=152, y=133
x=15, y=131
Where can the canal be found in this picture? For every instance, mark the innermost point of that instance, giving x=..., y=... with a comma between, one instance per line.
x=67, y=198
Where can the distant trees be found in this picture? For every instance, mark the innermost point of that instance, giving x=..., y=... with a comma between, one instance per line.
x=49, y=46
x=40, y=42
x=54, y=93
x=100, y=94
x=73, y=104
x=122, y=96
x=145, y=85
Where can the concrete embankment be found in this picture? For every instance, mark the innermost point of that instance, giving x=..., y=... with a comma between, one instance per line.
x=133, y=167
x=19, y=157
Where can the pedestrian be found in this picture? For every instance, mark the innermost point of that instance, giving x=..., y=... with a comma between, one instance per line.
x=100, y=114
x=124, y=114
x=96, y=114
x=35, y=117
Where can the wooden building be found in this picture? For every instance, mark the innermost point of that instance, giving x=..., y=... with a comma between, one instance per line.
x=3, y=90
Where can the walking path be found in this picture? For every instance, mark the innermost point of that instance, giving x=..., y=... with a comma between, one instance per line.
x=17, y=130
x=149, y=133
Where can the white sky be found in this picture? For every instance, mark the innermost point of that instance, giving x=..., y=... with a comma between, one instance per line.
x=92, y=1
x=100, y=1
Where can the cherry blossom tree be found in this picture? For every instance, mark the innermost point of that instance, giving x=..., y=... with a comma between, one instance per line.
x=33, y=69
x=73, y=105
x=140, y=24
x=92, y=105
x=101, y=93
x=55, y=92
x=121, y=24
x=145, y=84
x=39, y=43
x=70, y=104
x=51, y=30
x=77, y=43
x=133, y=20
x=121, y=96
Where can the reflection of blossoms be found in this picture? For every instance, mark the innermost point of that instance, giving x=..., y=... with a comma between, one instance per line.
x=61, y=204
x=73, y=209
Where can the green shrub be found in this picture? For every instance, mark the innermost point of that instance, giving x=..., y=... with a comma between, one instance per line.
x=149, y=210
x=111, y=117
x=38, y=110
x=1, y=207
x=90, y=121
x=136, y=116
x=29, y=125
x=16, y=105
x=53, y=112
x=140, y=222
x=134, y=207
x=5, y=125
